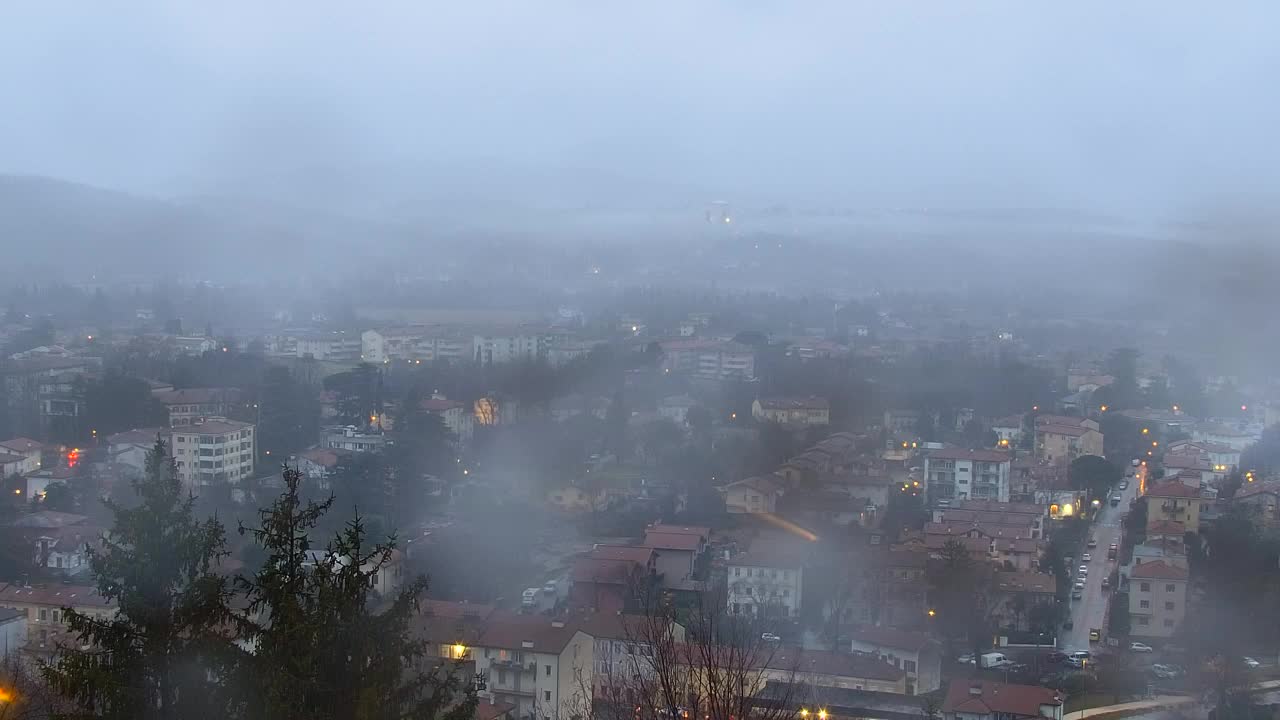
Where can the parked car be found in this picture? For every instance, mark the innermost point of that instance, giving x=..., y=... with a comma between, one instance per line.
x=1091, y=545
x=966, y=659
x=1095, y=634
x=1088, y=557
x=1106, y=583
x=550, y=587
x=1113, y=551
x=1251, y=663
x=1084, y=570
x=1139, y=647
x=770, y=637
x=1124, y=484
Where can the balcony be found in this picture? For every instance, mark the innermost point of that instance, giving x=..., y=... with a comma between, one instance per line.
x=516, y=666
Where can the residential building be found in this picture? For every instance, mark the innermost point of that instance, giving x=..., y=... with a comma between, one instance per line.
x=348, y=438
x=1192, y=465
x=385, y=581
x=753, y=495
x=793, y=411
x=1263, y=498
x=13, y=632
x=901, y=422
x=60, y=541
x=1008, y=431
x=318, y=464
x=34, y=484
x=188, y=405
x=454, y=415
x=30, y=451
x=1223, y=458
x=679, y=548
x=676, y=408
x=43, y=607
x=919, y=656
x=766, y=581
x=213, y=451
x=507, y=346
x=1016, y=595
x=813, y=671
x=335, y=346
x=536, y=664
x=1061, y=439
x=1220, y=434
x=127, y=451
x=11, y=465
x=953, y=474
x=611, y=577
x=1173, y=500
x=193, y=344
x=622, y=652
x=970, y=699
x=709, y=359
x=42, y=390
x=1031, y=516
x=563, y=353
x=1157, y=598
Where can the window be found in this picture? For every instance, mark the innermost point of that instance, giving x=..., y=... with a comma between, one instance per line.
x=1144, y=620
x=1144, y=604
x=546, y=695
x=44, y=614
x=56, y=614
x=548, y=667
x=1145, y=587
x=1168, y=623
x=1168, y=606
x=737, y=572
x=909, y=665
x=1170, y=588
x=502, y=677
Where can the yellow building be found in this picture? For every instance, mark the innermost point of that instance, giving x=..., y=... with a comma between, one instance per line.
x=1173, y=501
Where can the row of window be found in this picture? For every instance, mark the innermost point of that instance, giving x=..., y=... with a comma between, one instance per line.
x=762, y=572
x=1146, y=604
x=1144, y=620
x=1146, y=587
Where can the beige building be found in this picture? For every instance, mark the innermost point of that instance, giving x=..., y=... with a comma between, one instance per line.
x=191, y=404
x=1061, y=439
x=1176, y=502
x=212, y=451
x=44, y=607
x=542, y=666
x=1157, y=598
x=793, y=411
x=753, y=495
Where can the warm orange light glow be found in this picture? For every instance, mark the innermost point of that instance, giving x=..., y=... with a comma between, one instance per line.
x=1103, y=408
x=789, y=526
x=459, y=651
x=6, y=695
x=1146, y=430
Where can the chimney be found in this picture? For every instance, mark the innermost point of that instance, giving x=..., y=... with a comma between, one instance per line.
x=975, y=690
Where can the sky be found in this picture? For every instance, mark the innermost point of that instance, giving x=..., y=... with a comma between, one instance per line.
x=1136, y=108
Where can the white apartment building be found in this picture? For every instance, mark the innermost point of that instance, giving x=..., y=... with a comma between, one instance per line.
x=346, y=437
x=953, y=474
x=765, y=584
x=416, y=344
x=505, y=347
x=537, y=664
x=214, y=450
x=336, y=346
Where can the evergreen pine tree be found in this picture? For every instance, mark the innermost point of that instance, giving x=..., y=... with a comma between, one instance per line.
x=160, y=656
x=326, y=646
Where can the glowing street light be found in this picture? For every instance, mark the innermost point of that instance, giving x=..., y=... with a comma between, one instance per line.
x=932, y=612
x=1146, y=431
x=1103, y=408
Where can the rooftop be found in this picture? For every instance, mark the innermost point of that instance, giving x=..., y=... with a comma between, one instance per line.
x=795, y=403
x=1173, y=489
x=54, y=595
x=533, y=633
x=196, y=396
x=212, y=426
x=47, y=519
x=21, y=445
x=141, y=436
x=1166, y=527
x=1026, y=582
x=832, y=664
x=1072, y=430
x=886, y=637
x=991, y=698
x=10, y=458
x=991, y=456
x=1158, y=570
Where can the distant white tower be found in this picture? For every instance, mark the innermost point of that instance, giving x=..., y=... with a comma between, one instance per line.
x=718, y=213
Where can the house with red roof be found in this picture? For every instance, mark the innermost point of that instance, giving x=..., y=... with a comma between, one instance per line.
x=454, y=414
x=969, y=699
x=918, y=655
x=611, y=577
x=678, y=548
x=1060, y=439
x=1157, y=598
x=1175, y=501
x=536, y=664
x=28, y=454
x=1263, y=498
x=793, y=411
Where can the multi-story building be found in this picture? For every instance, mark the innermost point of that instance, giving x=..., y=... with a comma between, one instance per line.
x=1223, y=458
x=496, y=348
x=972, y=699
x=1157, y=598
x=336, y=346
x=347, y=437
x=794, y=411
x=187, y=405
x=623, y=653
x=1174, y=501
x=953, y=474
x=709, y=359
x=213, y=451
x=29, y=452
x=1263, y=498
x=454, y=415
x=915, y=652
x=1008, y=431
x=1061, y=439
x=765, y=582
x=540, y=665
x=44, y=608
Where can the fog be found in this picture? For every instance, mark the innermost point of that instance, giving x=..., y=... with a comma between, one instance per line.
x=1140, y=110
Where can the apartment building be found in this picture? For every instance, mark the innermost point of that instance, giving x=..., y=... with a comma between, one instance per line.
x=1157, y=598
x=214, y=450
x=453, y=414
x=1060, y=439
x=496, y=348
x=1174, y=501
x=919, y=656
x=541, y=666
x=29, y=453
x=709, y=359
x=348, y=438
x=44, y=608
x=793, y=411
x=765, y=582
x=191, y=404
x=334, y=346
x=953, y=474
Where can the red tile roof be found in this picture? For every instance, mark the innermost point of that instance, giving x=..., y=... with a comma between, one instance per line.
x=439, y=404
x=991, y=698
x=630, y=553
x=490, y=710
x=975, y=455
x=1072, y=430
x=704, y=532
x=196, y=396
x=1166, y=527
x=1173, y=489
x=1026, y=582
x=1001, y=507
x=672, y=541
x=534, y=633
x=1063, y=420
x=1158, y=570
x=22, y=445
x=73, y=596
x=832, y=664
x=1270, y=487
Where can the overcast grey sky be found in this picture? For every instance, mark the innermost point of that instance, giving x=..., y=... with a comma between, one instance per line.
x=1131, y=106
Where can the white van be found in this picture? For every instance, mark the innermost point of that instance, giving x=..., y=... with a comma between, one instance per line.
x=529, y=597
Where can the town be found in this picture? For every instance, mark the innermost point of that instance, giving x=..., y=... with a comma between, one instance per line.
x=867, y=519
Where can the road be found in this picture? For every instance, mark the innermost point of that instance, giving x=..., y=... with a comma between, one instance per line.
x=1090, y=611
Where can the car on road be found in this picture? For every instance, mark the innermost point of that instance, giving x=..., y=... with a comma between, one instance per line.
x=1093, y=543
x=1073, y=662
x=1113, y=551
x=1165, y=672
x=1115, y=500
x=770, y=637
x=1095, y=634
x=1250, y=663
x=966, y=659
x=1124, y=485
x=550, y=587
x=1139, y=647
x=1077, y=593
x=1106, y=583
x=1087, y=557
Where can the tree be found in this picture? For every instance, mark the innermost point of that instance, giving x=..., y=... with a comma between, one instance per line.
x=1094, y=474
x=324, y=652
x=58, y=496
x=956, y=580
x=162, y=655
x=287, y=414
x=905, y=510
